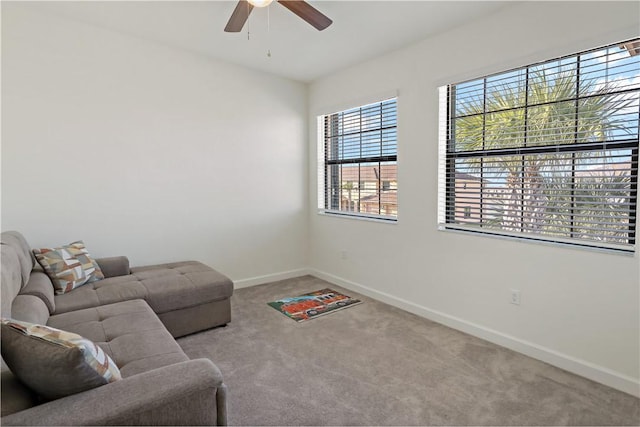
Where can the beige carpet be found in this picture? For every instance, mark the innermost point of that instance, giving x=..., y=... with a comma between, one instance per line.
x=373, y=364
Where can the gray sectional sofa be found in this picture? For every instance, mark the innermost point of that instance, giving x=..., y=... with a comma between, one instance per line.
x=134, y=315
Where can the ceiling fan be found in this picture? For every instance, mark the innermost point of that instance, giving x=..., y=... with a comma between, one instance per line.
x=301, y=8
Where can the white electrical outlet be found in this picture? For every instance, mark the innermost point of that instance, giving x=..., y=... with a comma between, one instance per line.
x=515, y=296
x=343, y=254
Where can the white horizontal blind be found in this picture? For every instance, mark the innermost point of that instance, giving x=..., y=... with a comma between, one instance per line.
x=360, y=161
x=546, y=152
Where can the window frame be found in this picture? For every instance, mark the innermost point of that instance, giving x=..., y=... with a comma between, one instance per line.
x=325, y=163
x=448, y=155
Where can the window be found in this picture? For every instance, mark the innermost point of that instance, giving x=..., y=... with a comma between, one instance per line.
x=545, y=152
x=360, y=146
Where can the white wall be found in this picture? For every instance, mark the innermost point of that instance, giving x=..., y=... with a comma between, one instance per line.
x=162, y=155
x=150, y=152
x=580, y=309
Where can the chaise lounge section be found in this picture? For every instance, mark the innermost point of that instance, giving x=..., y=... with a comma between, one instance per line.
x=133, y=315
x=187, y=296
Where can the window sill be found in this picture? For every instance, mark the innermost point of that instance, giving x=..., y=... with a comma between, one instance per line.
x=359, y=217
x=539, y=241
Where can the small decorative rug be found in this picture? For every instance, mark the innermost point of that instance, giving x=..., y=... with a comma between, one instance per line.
x=314, y=304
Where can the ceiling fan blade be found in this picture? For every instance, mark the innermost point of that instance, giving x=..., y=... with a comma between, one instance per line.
x=307, y=12
x=239, y=17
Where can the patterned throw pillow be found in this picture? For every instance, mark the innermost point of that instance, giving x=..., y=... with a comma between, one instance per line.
x=54, y=363
x=69, y=266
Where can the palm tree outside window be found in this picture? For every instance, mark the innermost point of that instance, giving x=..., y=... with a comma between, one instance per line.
x=552, y=148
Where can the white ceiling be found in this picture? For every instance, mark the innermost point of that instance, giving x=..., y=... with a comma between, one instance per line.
x=361, y=29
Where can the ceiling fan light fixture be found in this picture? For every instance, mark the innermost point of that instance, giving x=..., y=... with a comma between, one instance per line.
x=260, y=3
x=299, y=7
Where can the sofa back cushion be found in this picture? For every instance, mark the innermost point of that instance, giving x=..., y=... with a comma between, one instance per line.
x=31, y=301
x=23, y=251
x=40, y=285
x=29, y=308
x=10, y=278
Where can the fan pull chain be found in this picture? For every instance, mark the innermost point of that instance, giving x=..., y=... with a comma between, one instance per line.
x=268, y=31
x=248, y=21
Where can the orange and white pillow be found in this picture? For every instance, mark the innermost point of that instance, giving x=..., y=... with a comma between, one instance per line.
x=68, y=266
x=52, y=362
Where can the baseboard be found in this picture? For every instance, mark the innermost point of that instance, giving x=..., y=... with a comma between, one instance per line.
x=583, y=368
x=274, y=277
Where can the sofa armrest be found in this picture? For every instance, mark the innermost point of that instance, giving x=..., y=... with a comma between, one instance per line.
x=114, y=266
x=187, y=393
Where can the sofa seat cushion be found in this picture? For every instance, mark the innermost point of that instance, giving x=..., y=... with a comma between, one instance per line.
x=129, y=332
x=181, y=285
x=106, y=291
x=165, y=287
x=15, y=395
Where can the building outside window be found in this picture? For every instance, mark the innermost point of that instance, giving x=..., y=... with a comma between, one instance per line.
x=359, y=161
